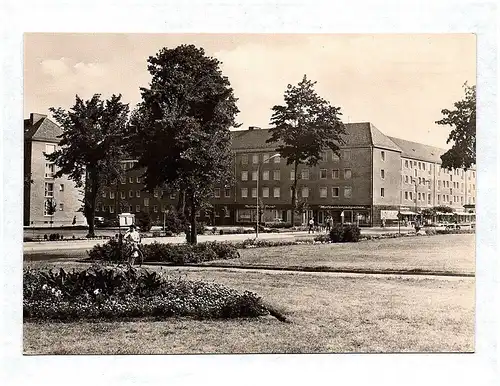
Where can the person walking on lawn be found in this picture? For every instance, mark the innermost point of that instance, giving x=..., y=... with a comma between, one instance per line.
x=311, y=225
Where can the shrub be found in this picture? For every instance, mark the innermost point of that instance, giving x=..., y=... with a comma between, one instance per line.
x=175, y=222
x=345, y=233
x=352, y=234
x=280, y=225
x=105, y=293
x=337, y=233
x=430, y=231
x=143, y=221
x=201, y=228
x=178, y=254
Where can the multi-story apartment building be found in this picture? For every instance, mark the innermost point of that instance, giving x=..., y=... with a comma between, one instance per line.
x=41, y=189
x=426, y=184
x=374, y=178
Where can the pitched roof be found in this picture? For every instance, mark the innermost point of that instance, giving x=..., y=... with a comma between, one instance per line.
x=418, y=150
x=38, y=126
x=357, y=134
x=251, y=139
x=381, y=140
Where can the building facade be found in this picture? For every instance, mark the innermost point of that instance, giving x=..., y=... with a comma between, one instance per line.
x=374, y=178
x=371, y=180
x=41, y=190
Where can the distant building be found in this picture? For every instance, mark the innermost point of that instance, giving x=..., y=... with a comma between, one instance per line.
x=41, y=189
x=375, y=178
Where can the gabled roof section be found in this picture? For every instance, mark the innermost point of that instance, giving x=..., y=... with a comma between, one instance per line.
x=39, y=127
x=419, y=151
x=381, y=140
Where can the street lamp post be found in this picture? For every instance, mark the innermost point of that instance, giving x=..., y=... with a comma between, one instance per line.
x=257, y=195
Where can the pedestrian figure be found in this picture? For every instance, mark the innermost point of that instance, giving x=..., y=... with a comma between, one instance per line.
x=311, y=225
x=74, y=220
x=383, y=223
x=330, y=223
x=327, y=223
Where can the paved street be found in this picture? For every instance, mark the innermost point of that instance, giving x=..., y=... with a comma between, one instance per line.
x=46, y=247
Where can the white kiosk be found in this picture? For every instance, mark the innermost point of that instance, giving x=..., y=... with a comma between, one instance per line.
x=126, y=219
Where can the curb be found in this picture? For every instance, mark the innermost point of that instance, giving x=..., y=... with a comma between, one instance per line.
x=320, y=270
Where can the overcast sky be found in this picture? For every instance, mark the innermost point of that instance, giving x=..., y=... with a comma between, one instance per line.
x=400, y=83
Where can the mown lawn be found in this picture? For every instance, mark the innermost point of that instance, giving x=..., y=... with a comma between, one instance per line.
x=439, y=253
x=328, y=313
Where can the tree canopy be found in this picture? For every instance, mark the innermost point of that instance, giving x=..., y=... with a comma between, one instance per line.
x=90, y=145
x=463, y=135
x=180, y=130
x=304, y=127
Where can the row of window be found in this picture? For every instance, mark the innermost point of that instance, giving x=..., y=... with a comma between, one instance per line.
x=411, y=180
x=455, y=185
x=111, y=209
x=408, y=195
x=420, y=196
x=325, y=157
x=421, y=165
x=304, y=192
x=323, y=174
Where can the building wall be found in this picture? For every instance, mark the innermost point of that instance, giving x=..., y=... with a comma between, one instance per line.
x=27, y=185
x=390, y=164
x=386, y=176
x=366, y=182
x=69, y=197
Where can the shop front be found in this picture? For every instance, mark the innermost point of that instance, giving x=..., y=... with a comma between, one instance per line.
x=247, y=214
x=407, y=216
x=345, y=214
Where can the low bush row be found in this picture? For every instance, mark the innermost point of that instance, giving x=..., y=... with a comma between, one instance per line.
x=454, y=231
x=253, y=243
x=178, y=254
x=105, y=293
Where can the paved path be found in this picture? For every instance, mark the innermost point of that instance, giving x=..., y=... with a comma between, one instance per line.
x=333, y=272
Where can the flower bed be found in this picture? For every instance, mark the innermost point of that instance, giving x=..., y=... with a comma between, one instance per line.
x=253, y=243
x=106, y=293
x=178, y=254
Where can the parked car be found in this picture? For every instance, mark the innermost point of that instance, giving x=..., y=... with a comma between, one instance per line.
x=99, y=221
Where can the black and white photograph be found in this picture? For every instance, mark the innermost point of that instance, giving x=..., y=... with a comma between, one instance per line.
x=249, y=193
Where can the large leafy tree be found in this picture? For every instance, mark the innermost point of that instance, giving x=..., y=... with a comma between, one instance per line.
x=303, y=128
x=90, y=147
x=180, y=130
x=463, y=135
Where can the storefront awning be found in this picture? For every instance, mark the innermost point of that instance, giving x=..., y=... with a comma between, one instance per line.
x=444, y=214
x=407, y=212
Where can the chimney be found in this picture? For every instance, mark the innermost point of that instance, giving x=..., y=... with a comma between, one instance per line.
x=253, y=128
x=35, y=117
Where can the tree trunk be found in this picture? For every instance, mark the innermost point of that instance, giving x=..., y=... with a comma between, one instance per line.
x=294, y=194
x=194, y=236
x=91, y=187
x=181, y=202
